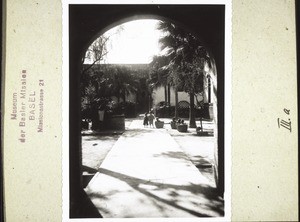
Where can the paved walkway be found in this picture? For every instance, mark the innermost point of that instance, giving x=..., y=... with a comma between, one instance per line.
x=146, y=174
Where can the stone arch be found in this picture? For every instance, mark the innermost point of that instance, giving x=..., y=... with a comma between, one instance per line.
x=140, y=17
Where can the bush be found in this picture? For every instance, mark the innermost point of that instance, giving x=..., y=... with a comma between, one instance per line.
x=165, y=111
x=183, y=112
x=130, y=109
x=124, y=108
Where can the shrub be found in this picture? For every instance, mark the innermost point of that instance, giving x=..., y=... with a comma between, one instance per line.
x=124, y=108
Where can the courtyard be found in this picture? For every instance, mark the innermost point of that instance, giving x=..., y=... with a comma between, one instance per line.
x=149, y=172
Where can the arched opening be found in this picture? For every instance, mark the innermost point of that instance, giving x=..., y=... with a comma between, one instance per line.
x=76, y=155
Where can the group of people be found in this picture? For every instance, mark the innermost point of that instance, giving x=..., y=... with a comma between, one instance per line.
x=179, y=121
x=148, y=119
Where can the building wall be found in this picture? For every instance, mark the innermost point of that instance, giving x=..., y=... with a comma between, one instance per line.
x=129, y=98
x=158, y=95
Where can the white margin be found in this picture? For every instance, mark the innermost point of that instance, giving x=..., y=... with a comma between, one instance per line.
x=227, y=104
x=227, y=110
x=65, y=114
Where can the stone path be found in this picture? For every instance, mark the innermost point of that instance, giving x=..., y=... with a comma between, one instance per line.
x=146, y=174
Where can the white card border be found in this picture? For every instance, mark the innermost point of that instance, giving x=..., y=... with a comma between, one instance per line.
x=227, y=103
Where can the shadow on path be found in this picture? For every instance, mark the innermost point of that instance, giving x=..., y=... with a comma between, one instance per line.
x=173, y=154
x=211, y=201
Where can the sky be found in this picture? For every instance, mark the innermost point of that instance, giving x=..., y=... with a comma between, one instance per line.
x=136, y=43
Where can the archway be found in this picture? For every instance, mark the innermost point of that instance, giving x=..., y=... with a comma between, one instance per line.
x=89, y=20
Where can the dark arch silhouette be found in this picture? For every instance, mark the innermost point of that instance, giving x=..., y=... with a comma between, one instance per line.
x=140, y=17
x=86, y=22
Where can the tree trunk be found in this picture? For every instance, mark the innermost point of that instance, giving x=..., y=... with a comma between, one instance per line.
x=166, y=94
x=176, y=103
x=169, y=100
x=209, y=89
x=169, y=94
x=192, y=111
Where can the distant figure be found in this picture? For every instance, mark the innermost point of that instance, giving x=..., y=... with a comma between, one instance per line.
x=173, y=120
x=151, y=118
x=152, y=111
x=173, y=123
x=146, y=119
x=180, y=121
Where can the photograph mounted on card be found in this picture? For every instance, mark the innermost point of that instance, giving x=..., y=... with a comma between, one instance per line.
x=146, y=110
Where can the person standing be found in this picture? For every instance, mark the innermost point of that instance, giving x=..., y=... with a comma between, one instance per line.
x=146, y=119
x=151, y=118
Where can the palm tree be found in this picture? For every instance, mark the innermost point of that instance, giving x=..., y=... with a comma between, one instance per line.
x=170, y=43
x=187, y=58
x=158, y=75
x=119, y=82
